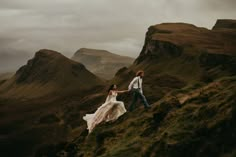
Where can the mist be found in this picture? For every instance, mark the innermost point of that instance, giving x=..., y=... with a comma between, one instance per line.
x=116, y=26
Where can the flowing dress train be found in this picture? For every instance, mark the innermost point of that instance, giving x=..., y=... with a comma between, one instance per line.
x=109, y=111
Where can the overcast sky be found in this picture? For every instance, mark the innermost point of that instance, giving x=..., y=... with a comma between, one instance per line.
x=115, y=25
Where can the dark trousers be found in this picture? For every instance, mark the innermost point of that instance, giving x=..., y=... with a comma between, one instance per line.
x=138, y=95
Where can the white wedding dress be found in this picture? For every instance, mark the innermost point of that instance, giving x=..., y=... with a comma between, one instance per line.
x=109, y=111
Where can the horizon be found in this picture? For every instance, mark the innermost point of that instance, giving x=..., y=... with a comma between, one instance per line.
x=118, y=27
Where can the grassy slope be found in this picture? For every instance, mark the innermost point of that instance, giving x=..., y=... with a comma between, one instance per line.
x=188, y=122
x=196, y=120
x=26, y=125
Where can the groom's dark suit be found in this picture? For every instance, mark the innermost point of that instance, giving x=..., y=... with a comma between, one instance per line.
x=135, y=87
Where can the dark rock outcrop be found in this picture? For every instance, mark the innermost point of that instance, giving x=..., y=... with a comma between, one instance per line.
x=188, y=45
x=225, y=24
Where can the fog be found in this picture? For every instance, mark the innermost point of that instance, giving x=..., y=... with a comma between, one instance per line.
x=116, y=26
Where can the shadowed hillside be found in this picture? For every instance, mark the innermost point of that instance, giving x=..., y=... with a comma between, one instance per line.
x=37, y=103
x=196, y=122
x=190, y=80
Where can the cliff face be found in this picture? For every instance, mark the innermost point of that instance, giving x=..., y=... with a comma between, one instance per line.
x=224, y=24
x=187, y=35
x=196, y=48
x=175, y=55
x=178, y=38
x=101, y=62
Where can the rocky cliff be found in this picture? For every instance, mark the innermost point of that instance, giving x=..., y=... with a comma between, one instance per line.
x=177, y=54
x=224, y=24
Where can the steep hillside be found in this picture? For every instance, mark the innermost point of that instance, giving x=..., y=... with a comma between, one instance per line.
x=101, y=62
x=48, y=72
x=177, y=54
x=44, y=101
x=196, y=122
x=197, y=48
x=190, y=82
x=27, y=125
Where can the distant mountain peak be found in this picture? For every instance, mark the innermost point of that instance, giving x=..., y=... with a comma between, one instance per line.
x=91, y=49
x=94, y=52
x=46, y=52
x=38, y=68
x=101, y=62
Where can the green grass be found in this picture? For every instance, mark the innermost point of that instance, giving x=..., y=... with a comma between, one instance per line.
x=195, y=128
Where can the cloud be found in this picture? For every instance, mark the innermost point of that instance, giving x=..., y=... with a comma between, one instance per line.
x=9, y=61
x=117, y=26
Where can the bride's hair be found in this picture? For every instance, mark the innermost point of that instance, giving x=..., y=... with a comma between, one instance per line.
x=110, y=88
x=139, y=72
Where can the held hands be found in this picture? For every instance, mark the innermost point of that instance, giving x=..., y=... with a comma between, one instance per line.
x=123, y=91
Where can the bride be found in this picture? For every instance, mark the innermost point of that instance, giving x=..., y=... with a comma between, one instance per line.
x=109, y=111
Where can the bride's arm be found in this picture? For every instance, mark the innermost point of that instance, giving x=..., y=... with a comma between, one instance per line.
x=122, y=91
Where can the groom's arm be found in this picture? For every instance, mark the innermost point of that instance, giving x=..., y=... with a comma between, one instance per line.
x=131, y=83
x=141, y=89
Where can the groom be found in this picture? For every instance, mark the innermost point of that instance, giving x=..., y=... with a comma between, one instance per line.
x=135, y=87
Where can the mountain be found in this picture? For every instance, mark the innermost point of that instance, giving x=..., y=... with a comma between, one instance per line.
x=175, y=55
x=44, y=101
x=190, y=82
x=101, y=62
x=46, y=73
x=173, y=41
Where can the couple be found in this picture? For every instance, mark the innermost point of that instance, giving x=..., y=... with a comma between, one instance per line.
x=113, y=109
